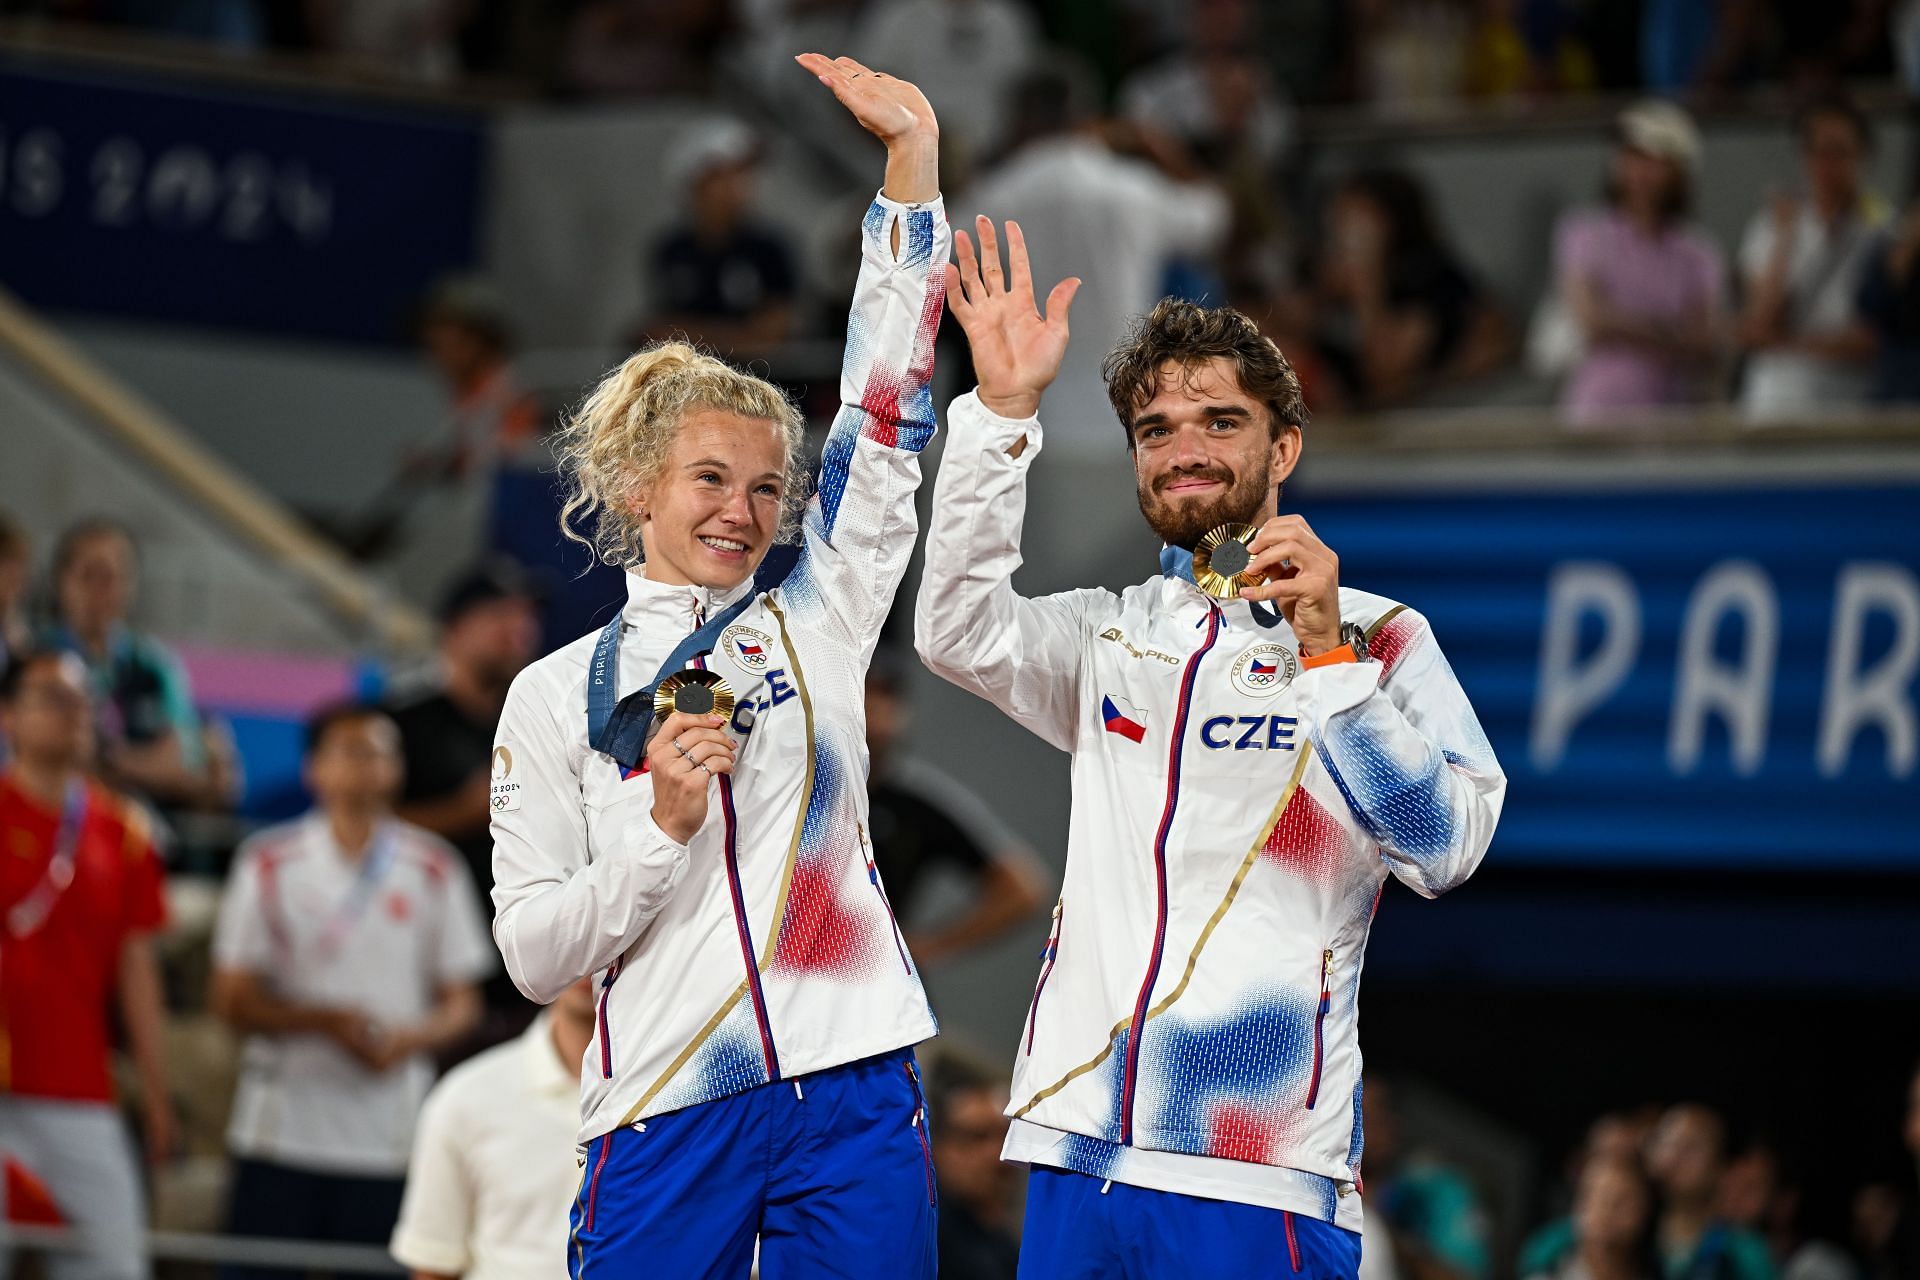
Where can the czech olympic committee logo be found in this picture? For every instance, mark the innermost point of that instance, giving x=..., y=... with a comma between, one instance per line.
x=1265, y=670
x=748, y=648
x=504, y=793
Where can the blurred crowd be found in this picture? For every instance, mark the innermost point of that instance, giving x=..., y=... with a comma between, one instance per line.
x=1384, y=52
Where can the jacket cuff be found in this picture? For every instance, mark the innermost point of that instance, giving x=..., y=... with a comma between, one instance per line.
x=968, y=416
x=1331, y=657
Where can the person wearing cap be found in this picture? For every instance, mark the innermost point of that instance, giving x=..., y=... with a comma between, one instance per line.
x=489, y=631
x=719, y=276
x=1257, y=748
x=679, y=799
x=1644, y=289
x=348, y=951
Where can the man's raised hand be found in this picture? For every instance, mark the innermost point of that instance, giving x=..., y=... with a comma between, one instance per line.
x=1016, y=350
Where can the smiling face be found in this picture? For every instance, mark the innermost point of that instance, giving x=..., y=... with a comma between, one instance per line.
x=714, y=509
x=1204, y=453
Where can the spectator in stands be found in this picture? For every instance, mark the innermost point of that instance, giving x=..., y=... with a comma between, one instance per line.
x=1214, y=93
x=494, y=417
x=1687, y=1157
x=1438, y=1226
x=1114, y=220
x=348, y=951
x=1802, y=263
x=1398, y=316
x=1760, y=1194
x=489, y=630
x=1618, y=1136
x=1612, y=1225
x=1886, y=1212
x=493, y=1173
x=1643, y=291
x=720, y=276
x=1889, y=301
x=16, y=575
x=414, y=38
x=977, y=1187
x=923, y=821
x=151, y=741
x=81, y=897
x=965, y=55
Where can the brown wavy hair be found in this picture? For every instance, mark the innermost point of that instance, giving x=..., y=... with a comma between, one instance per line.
x=1188, y=335
x=615, y=445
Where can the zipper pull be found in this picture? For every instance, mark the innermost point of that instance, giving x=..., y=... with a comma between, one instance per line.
x=1326, y=969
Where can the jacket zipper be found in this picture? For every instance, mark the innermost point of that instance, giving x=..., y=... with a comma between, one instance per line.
x=1320, y=1025
x=754, y=992
x=1137, y=1027
x=746, y=937
x=873, y=878
x=920, y=1129
x=606, y=1033
x=1048, y=954
x=593, y=1183
x=1293, y=1245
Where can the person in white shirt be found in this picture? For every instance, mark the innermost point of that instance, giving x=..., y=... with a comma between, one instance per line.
x=1257, y=748
x=1802, y=260
x=348, y=950
x=1113, y=221
x=751, y=1076
x=494, y=1169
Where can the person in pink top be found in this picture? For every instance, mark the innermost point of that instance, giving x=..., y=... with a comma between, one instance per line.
x=1645, y=289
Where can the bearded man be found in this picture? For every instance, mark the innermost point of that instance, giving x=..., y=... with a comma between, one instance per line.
x=1245, y=778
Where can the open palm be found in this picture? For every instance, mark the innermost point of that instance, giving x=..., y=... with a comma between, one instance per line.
x=1016, y=349
x=887, y=107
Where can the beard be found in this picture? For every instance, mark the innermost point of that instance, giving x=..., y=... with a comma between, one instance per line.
x=1182, y=522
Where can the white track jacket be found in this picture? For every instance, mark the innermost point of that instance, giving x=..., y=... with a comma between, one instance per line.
x=765, y=948
x=1194, y=1022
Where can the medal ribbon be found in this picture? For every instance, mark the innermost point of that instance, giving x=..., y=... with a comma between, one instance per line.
x=373, y=869
x=26, y=916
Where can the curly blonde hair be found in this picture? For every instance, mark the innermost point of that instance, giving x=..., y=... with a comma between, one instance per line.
x=615, y=444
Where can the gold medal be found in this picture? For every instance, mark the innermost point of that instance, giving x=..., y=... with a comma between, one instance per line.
x=1220, y=560
x=696, y=692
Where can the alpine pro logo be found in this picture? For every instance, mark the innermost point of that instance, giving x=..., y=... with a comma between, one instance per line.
x=1265, y=670
x=503, y=795
x=749, y=649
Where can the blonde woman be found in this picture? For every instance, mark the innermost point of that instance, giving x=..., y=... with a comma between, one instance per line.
x=750, y=1074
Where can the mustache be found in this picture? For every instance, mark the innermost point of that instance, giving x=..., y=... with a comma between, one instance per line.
x=1220, y=474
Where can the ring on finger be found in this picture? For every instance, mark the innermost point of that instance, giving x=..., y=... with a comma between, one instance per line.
x=677, y=747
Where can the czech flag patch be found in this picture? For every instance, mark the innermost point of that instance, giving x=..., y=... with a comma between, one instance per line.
x=1123, y=718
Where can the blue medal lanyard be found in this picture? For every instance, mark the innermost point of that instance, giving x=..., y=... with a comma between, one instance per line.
x=27, y=915
x=621, y=729
x=373, y=869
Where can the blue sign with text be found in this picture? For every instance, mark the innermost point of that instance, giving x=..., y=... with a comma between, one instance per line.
x=1720, y=676
x=273, y=213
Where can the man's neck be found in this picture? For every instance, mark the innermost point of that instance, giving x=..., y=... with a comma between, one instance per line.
x=94, y=640
x=45, y=781
x=570, y=1037
x=352, y=827
x=1684, y=1224
x=1833, y=207
x=476, y=697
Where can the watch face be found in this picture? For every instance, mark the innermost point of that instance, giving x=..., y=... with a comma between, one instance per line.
x=1355, y=636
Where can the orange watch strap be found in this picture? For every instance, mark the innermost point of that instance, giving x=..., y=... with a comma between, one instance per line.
x=1344, y=653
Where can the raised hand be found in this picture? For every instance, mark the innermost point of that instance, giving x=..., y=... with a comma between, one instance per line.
x=1016, y=350
x=1302, y=575
x=894, y=112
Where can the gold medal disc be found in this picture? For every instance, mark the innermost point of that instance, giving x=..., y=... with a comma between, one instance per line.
x=1220, y=560
x=696, y=692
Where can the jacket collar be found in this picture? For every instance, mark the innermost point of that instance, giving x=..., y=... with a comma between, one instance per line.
x=659, y=602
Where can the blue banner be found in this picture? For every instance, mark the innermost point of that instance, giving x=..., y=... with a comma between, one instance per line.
x=1717, y=676
x=272, y=213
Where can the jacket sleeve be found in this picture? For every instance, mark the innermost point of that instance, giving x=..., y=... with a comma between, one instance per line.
x=563, y=911
x=970, y=627
x=859, y=526
x=1402, y=743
